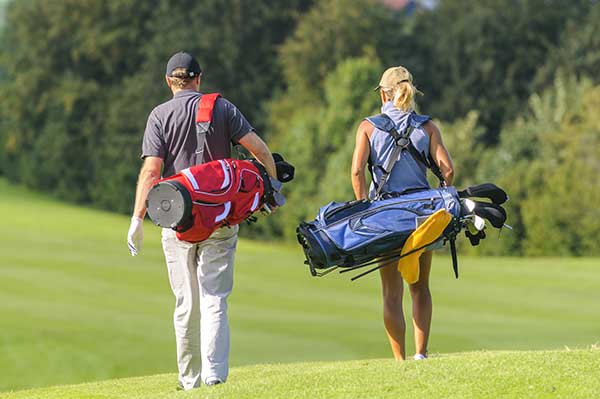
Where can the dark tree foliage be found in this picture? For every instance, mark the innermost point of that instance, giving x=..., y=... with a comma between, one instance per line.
x=235, y=41
x=330, y=32
x=483, y=54
x=578, y=53
x=80, y=78
x=61, y=61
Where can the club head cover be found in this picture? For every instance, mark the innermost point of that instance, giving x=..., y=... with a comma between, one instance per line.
x=485, y=190
x=285, y=170
x=495, y=214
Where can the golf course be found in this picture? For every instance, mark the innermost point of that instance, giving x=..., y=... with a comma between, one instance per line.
x=75, y=307
x=375, y=129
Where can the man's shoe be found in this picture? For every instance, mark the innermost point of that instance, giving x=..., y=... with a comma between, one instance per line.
x=213, y=382
x=419, y=356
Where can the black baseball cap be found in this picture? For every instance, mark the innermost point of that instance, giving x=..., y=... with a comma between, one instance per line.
x=184, y=60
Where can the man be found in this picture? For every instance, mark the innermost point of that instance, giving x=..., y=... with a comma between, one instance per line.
x=200, y=275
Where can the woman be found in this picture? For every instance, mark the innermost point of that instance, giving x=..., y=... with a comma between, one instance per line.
x=374, y=146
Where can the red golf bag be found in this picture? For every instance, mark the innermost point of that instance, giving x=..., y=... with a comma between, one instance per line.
x=202, y=198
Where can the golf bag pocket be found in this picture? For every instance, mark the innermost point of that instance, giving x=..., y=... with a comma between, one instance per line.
x=215, y=181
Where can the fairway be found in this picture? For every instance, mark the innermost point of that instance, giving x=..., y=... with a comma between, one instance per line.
x=528, y=374
x=76, y=307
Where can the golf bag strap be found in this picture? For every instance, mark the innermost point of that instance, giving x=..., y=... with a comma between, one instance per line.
x=385, y=123
x=400, y=144
x=203, y=121
x=428, y=162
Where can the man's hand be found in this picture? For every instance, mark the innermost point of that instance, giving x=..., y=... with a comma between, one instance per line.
x=149, y=174
x=135, y=235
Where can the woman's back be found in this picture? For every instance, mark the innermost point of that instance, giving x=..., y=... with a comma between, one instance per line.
x=407, y=174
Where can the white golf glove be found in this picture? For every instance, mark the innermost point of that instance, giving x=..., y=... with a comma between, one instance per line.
x=135, y=235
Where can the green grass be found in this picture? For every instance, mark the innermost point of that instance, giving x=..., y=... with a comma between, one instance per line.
x=549, y=374
x=76, y=307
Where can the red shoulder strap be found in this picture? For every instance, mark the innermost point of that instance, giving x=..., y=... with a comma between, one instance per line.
x=205, y=107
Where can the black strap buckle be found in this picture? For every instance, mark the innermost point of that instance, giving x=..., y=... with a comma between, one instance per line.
x=403, y=142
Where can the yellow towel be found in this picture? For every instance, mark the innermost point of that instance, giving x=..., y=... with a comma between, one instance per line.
x=427, y=232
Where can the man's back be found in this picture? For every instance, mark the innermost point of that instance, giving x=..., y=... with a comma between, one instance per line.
x=171, y=135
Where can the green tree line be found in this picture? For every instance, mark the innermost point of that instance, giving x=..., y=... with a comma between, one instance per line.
x=512, y=84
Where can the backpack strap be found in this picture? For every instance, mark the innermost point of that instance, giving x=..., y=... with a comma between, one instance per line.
x=402, y=142
x=203, y=121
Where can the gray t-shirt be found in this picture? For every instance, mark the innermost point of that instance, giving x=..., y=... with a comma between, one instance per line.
x=171, y=132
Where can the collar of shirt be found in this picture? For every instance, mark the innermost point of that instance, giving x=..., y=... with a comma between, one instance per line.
x=185, y=92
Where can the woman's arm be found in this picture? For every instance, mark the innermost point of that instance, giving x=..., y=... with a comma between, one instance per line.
x=439, y=153
x=359, y=160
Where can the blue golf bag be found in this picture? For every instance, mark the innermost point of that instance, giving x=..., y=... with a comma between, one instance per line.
x=356, y=234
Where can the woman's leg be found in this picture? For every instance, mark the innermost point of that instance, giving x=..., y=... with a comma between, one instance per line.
x=393, y=316
x=421, y=304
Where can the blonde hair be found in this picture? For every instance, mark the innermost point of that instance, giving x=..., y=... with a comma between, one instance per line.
x=179, y=78
x=403, y=96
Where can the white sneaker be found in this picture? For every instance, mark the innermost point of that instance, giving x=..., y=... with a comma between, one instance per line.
x=419, y=356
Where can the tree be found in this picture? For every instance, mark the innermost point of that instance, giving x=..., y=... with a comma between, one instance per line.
x=577, y=53
x=483, y=55
x=462, y=138
x=322, y=138
x=59, y=58
x=79, y=79
x=330, y=32
x=548, y=162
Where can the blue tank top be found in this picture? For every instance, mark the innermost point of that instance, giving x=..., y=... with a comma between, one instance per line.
x=407, y=173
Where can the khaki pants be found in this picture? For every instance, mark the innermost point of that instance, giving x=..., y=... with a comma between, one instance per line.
x=201, y=277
